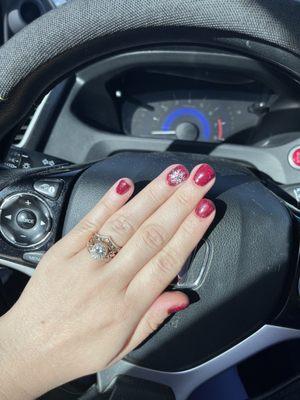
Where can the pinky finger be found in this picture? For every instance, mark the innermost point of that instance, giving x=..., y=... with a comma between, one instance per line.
x=162, y=269
x=163, y=307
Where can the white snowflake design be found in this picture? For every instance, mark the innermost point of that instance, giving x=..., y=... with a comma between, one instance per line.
x=177, y=176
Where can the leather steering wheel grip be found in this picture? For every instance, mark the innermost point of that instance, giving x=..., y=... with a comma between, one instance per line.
x=67, y=38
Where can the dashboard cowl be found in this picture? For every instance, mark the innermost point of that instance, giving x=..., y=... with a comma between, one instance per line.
x=251, y=257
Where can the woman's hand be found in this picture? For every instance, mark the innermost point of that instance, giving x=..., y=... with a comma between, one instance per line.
x=78, y=315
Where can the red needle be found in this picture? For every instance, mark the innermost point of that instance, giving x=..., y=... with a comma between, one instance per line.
x=220, y=129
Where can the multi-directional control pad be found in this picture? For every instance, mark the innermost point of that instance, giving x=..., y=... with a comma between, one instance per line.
x=25, y=220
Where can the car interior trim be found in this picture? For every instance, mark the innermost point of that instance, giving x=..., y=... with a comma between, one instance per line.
x=30, y=129
x=183, y=383
x=17, y=266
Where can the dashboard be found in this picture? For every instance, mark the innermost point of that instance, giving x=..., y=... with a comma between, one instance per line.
x=216, y=99
x=195, y=100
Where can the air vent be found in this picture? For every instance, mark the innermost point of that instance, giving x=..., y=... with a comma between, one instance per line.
x=19, y=136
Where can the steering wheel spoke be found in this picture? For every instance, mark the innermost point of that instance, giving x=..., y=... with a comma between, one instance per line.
x=184, y=382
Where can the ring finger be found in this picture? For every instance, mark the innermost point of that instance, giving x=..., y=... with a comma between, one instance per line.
x=123, y=223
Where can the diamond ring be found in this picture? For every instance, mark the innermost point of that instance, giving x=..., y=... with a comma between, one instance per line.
x=102, y=247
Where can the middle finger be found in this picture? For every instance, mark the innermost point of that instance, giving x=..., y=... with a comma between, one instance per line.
x=159, y=228
x=124, y=223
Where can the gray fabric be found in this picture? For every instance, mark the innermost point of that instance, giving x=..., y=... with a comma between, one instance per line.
x=80, y=21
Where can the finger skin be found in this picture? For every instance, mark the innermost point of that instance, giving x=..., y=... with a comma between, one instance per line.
x=85, y=316
x=158, y=229
x=167, y=304
x=124, y=223
x=162, y=269
x=78, y=237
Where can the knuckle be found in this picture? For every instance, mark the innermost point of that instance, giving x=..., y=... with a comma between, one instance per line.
x=120, y=225
x=153, y=236
x=108, y=208
x=87, y=226
x=166, y=264
x=188, y=228
x=183, y=198
x=152, y=194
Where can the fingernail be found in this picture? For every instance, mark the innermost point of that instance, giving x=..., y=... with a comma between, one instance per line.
x=122, y=187
x=177, y=175
x=175, y=309
x=204, y=208
x=204, y=174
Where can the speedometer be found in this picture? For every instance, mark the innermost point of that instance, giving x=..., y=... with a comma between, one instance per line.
x=185, y=118
x=187, y=115
x=196, y=120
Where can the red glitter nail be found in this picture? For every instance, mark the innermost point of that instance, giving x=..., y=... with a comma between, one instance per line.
x=204, y=208
x=204, y=174
x=175, y=309
x=123, y=187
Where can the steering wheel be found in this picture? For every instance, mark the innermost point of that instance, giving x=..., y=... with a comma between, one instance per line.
x=244, y=275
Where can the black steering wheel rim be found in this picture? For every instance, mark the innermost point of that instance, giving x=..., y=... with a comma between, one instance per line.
x=83, y=31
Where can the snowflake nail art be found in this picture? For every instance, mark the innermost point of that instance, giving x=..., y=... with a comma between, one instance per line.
x=177, y=175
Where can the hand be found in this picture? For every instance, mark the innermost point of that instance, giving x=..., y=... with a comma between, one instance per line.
x=77, y=315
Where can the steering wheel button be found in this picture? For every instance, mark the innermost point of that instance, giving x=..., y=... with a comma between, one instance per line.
x=50, y=188
x=294, y=157
x=26, y=219
x=8, y=234
x=34, y=257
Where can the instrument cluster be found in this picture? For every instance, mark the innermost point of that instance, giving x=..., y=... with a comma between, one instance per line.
x=161, y=105
x=241, y=102
x=193, y=114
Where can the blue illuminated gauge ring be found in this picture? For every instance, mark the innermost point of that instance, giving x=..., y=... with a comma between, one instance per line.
x=184, y=111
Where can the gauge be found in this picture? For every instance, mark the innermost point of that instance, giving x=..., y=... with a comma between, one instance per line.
x=187, y=115
x=198, y=119
x=184, y=116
